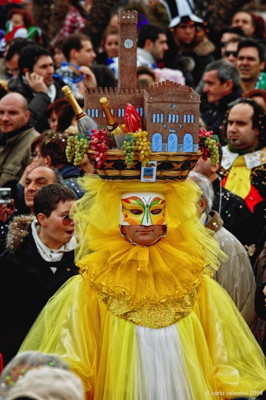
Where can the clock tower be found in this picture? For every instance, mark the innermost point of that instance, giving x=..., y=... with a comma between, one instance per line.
x=127, y=45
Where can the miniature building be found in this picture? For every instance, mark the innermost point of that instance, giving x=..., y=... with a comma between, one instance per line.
x=169, y=111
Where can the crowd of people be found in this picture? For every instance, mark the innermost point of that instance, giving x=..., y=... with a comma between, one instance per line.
x=129, y=313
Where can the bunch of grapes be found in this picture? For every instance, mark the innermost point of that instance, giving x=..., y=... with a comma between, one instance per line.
x=143, y=146
x=209, y=148
x=99, y=144
x=128, y=148
x=82, y=146
x=70, y=147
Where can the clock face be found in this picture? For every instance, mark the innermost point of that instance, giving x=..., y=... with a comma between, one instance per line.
x=128, y=43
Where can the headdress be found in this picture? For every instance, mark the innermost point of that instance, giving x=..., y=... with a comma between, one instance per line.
x=177, y=9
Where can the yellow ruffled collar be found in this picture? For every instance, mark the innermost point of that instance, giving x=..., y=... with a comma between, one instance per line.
x=150, y=286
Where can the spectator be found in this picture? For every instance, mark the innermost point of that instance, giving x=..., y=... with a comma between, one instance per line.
x=58, y=55
x=243, y=162
x=35, y=177
x=190, y=37
x=251, y=24
x=52, y=150
x=250, y=65
x=227, y=34
x=60, y=110
x=16, y=137
x=221, y=87
x=38, y=259
x=235, y=274
x=152, y=44
x=79, y=53
x=20, y=24
x=109, y=46
x=68, y=17
x=230, y=50
x=36, y=83
x=11, y=55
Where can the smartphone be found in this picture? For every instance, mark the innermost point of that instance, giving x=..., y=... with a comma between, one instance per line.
x=5, y=195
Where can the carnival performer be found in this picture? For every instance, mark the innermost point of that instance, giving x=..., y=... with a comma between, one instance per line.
x=144, y=319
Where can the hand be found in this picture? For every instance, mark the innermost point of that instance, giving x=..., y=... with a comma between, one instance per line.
x=35, y=163
x=89, y=80
x=36, y=82
x=6, y=210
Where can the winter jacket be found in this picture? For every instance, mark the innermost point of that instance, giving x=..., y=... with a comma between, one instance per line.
x=26, y=283
x=15, y=154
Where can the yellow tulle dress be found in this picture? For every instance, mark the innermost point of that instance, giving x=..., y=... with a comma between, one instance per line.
x=148, y=323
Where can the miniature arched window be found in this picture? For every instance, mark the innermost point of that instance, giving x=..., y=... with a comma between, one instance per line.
x=157, y=142
x=172, y=118
x=93, y=112
x=140, y=111
x=172, y=142
x=157, y=118
x=188, y=144
x=120, y=112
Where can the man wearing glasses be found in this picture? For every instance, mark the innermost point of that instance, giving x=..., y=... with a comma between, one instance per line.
x=39, y=258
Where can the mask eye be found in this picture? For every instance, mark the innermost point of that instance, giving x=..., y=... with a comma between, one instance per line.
x=157, y=211
x=136, y=211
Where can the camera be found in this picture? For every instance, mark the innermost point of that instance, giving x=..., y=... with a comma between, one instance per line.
x=5, y=195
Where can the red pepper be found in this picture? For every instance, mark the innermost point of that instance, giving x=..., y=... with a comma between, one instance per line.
x=132, y=119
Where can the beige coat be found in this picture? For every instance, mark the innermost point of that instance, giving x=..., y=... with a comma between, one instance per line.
x=235, y=275
x=15, y=155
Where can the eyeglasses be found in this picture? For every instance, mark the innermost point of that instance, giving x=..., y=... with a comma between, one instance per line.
x=227, y=53
x=66, y=220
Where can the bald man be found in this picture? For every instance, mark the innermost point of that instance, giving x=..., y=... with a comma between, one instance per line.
x=16, y=136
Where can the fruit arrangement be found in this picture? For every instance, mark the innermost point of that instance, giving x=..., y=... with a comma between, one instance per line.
x=132, y=141
x=208, y=144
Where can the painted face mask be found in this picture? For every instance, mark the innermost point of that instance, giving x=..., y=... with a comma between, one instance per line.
x=145, y=208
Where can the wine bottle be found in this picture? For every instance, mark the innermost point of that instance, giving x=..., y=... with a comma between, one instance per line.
x=84, y=122
x=111, y=122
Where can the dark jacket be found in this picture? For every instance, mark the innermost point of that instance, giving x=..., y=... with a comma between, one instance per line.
x=27, y=282
x=215, y=115
x=38, y=102
x=71, y=174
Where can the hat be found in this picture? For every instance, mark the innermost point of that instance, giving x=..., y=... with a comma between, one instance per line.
x=48, y=383
x=177, y=9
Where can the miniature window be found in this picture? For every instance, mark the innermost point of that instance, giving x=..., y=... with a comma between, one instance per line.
x=93, y=113
x=157, y=117
x=173, y=118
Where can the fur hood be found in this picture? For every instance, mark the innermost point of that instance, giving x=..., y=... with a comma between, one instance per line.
x=18, y=229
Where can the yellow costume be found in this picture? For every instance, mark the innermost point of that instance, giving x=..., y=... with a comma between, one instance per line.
x=148, y=323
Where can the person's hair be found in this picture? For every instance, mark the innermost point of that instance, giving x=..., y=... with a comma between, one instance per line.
x=29, y=359
x=225, y=71
x=110, y=30
x=252, y=43
x=258, y=118
x=149, y=31
x=64, y=112
x=255, y=93
x=206, y=187
x=30, y=55
x=15, y=46
x=236, y=39
x=144, y=69
x=73, y=41
x=54, y=145
x=25, y=14
x=47, y=198
x=104, y=76
x=232, y=29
